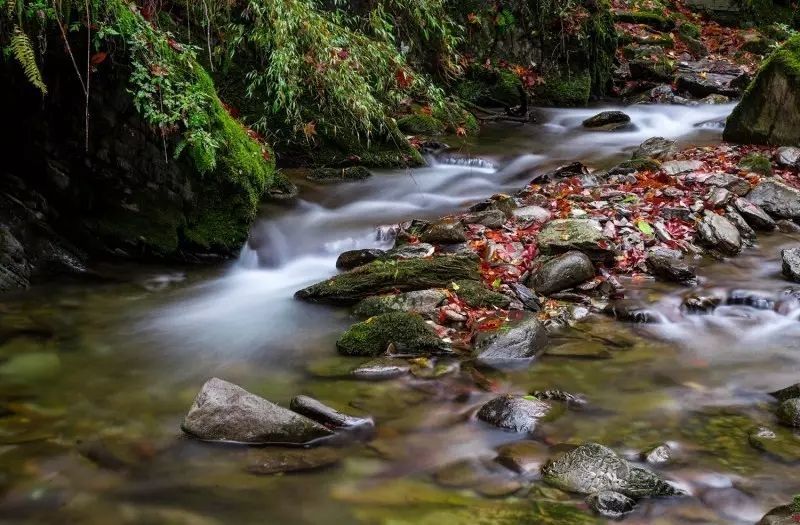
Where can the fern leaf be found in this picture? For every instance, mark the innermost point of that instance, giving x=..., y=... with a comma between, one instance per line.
x=23, y=51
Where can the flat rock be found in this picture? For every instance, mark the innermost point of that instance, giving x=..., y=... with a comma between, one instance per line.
x=446, y=231
x=670, y=265
x=535, y=214
x=657, y=148
x=631, y=311
x=423, y=302
x=354, y=258
x=788, y=157
x=491, y=218
x=791, y=264
x=523, y=457
x=407, y=333
x=525, y=338
x=269, y=461
x=515, y=413
x=676, y=167
x=777, y=199
x=325, y=415
x=562, y=272
x=718, y=233
x=607, y=120
x=382, y=369
x=583, y=235
x=732, y=183
x=333, y=175
x=754, y=215
x=420, y=250
x=225, y=412
x=780, y=444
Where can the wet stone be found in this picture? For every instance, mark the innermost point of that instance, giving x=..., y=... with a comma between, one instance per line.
x=608, y=121
x=583, y=235
x=789, y=412
x=524, y=338
x=423, y=302
x=788, y=157
x=523, y=457
x=535, y=214
x=515, y=413
x=670, y=265
x=659, y=455
x=526, y=297
x=571, y=400
x=381, y=369
x=791, y=264
x=407, y=333
x=354, y=258
x=732, y=183
x=493, y=219
x=676, y=167
x=718, y=233
x=782, y=445
x=777, y=199
x=411, y=251
x=754, y=215
x=787, y=226
x=334, y=175
x=781, y=516
x=611, y=504
x=631, y=311
x=485, y=477
x=325, y=415
x=745, y=231
x=447, y=231
x=657, y=148
x=719, y=197
x=562, y=272
x=270, y=461
x=752, y=299
x=787, y=393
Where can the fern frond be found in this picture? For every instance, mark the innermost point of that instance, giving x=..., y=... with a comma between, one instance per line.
x=23, y=51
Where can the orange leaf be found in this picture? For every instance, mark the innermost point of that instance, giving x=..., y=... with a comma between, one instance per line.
x=98, y=58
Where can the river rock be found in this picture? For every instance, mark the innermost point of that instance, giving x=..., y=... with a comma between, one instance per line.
x=659, y=455
x=789, y=412
x=745, y=231
x=525, y=338
x=562, y=272
x=402, y=275
x=446, y=231
x=676, y=167
x=477, y=295
x=333, y=175
x=780, y=516
x=484, y=476
x=515, y=413
x=270, y=460
x=754, y=215
x=355, y=258
x=753, y=299
x=631, y=311
x=718, y=233
x=420, y=250
x=15, y=269
x=571, y=400
x=670, y=265
x=732, y=183
x=325, y=415
x=492, y=218
x=523, y=457
x=408, y=333
x=526, y=296
x=592, y=468
x=791, y=264
x=769, y=112
x=223, y=411
x=657, y=148
x=528, y=214
x=583, y=235
x=610, y=504
x=423, y=302
x=701, y=83
x=381, y=369
x=787, y=393
x=782, y=444
x=608, y=121
x=788, y=157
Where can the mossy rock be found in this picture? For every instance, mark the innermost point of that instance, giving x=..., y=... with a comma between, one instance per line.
x=420, y=124
x=490, y=87
x=649, y=18
x=388, y=276
x=334, y=175
x=725, y=436
x=408, y=332
x=387, y=149
x=769, y=112
x=756, y=163
x=689, y=30
x=565, y=90
x=477, y=295
x=641, y=165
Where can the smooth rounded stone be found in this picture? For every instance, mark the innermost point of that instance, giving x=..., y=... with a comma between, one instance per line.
x=659, y=455
x=515, y=413
x=734, y=184
x=563, y=272
x=571, y=400
x=535, y=214
x=493, y=219
x=325, y=415
x=787, y=393
x=782, y=445
x=355, y=258
x=670, y=265
x=610, y=504
x=657, y=148
x=607, y=120
x=269, y=461
x=777, y=199
x=788, y=157
x=523, y=457
x=592, y=468
x=525, y=338
x=789, y=412
x=477, y=295
x=632, y=312
x=423, y=302
x=446, y=231
x=485, y=477
x=718, y=233
x=411, y=251
x=381, y=369
x=756, y=300
x=332, y=175
x=754, y=215
x=408, y=333
x=791, y=264
x=580, y=350
x=677, y=167
x=784, y=515
x=583, y=235
x=225, y=412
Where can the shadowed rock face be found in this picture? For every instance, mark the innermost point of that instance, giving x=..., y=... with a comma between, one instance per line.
x=523, y=339
x=223, y=411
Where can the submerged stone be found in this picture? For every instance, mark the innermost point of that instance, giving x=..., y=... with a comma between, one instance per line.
x=269, y=461
x=515, y=413
x=225, y=412
x=523, y=457
x=381, y=369
x=782, y=444
x=571, y=400
x=407, y=332
x=524, y=338
x=562, y=272
x=325, y=415
x=333, y=175
x=631, y=311
x=611, y=504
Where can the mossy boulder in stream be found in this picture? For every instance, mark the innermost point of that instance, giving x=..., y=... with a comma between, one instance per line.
x=477, y=295
x=769, y=112
x=407, y=332
x=387, y=276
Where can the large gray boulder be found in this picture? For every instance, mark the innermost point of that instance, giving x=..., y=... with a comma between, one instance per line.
x=720, y=234
x=657, y=148
x=791, y=264
x=777, y=199
x=522, y=339
x=225, y=412
x=754, y=215
x=563, y=272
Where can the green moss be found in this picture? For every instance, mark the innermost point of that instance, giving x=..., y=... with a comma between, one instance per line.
x=601, y=42
x=641, y=164
x=756, y=163
x=420, y=124
x=796, y=504
x=490, y=87
x=569, y=90
x=456, y=118
x=687, y=29
x=475, y=294
x=725, y=437
x=408, y=332
x=649, y=18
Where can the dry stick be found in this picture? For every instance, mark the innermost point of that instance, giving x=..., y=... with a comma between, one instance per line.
x=208, y=36
x=71, y=56
x=88, y=68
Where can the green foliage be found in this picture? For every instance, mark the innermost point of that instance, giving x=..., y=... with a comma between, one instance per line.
x=23, y=51
x=689, y=30
x=756, y=163
x=420, y=124
x=566, y=90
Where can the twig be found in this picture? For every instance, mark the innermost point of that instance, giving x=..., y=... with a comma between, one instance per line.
x=88, y=69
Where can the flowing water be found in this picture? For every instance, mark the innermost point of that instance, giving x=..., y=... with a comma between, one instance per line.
x=95, y=377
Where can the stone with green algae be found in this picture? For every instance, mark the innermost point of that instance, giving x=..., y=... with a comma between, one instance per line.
x=408, y=333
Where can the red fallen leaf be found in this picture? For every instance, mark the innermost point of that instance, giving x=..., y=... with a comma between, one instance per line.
x=343, y=54
x=175, y=45
x=98, y=58
x=403, y=78
x=461, y=132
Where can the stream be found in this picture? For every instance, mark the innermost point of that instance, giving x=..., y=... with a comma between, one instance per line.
x=97, y=375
